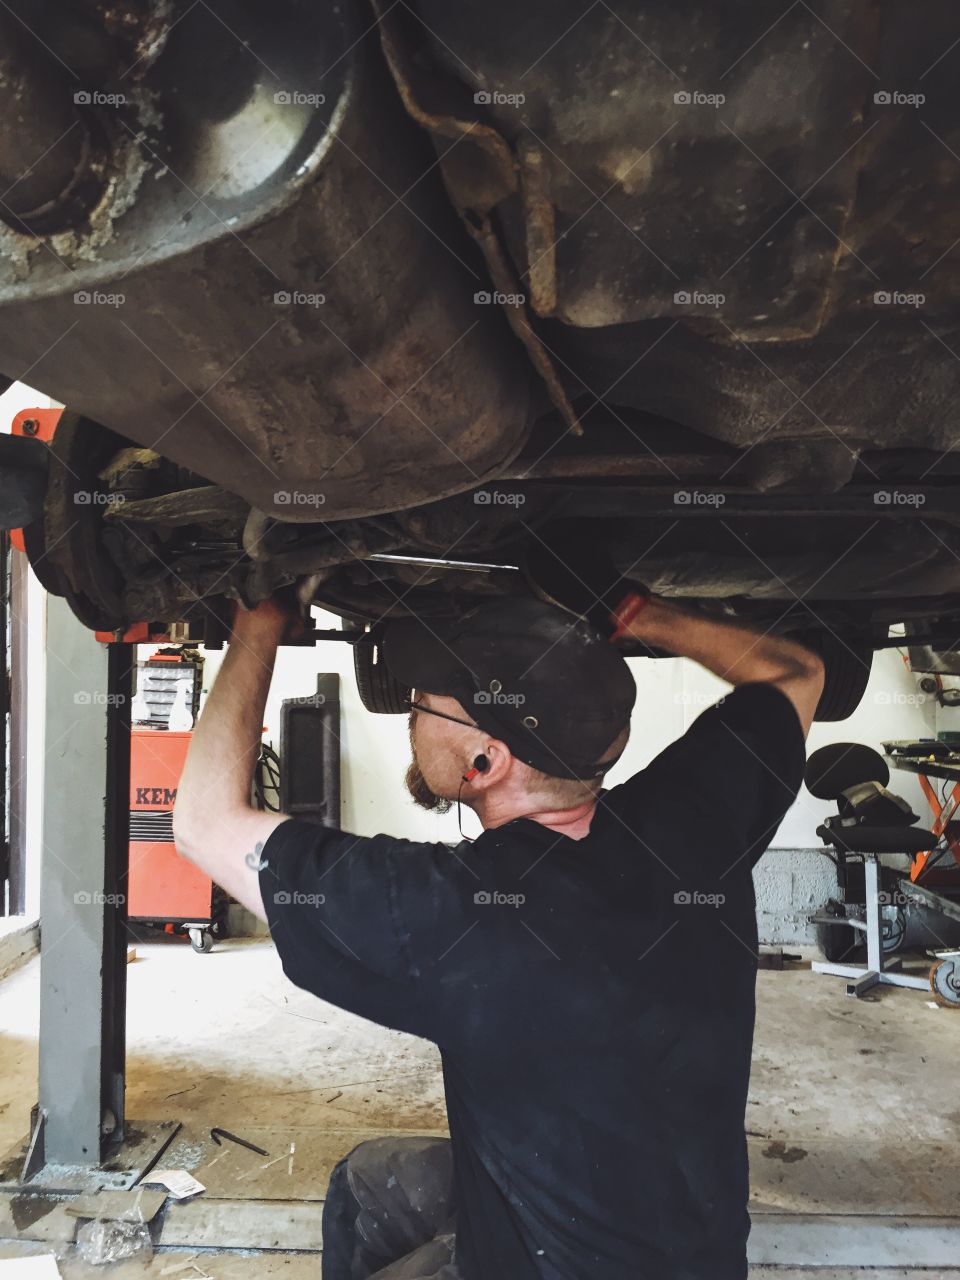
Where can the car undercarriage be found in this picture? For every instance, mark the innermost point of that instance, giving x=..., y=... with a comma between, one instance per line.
x=418, y=289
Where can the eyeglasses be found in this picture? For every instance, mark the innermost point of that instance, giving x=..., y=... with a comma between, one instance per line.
x=418, y=706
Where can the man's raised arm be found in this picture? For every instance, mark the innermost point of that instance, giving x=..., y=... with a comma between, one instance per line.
x=214, y=824
x=733, y=652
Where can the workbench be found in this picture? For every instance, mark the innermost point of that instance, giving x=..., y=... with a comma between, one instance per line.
x=944, y=766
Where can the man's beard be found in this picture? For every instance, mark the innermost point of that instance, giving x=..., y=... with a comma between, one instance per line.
x=416, y=783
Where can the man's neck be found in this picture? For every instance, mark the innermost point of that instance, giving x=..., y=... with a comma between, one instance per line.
x=574, y=823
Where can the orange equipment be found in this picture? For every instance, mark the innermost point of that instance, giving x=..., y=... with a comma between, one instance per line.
x=40, y=424
x=162, y=886
x=943, y=813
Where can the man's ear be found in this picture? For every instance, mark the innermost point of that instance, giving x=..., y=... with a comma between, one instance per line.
x=500, y=759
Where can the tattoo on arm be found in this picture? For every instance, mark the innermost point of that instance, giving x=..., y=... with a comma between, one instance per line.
x=254, y=860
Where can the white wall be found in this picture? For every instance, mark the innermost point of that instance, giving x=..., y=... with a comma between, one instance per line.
x=15, y=399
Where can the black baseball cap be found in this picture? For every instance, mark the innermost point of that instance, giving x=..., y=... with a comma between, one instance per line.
x=544, y=682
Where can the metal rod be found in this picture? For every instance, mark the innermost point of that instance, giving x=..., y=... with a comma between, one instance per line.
x=872, y=886
x=19, y=662
x=432, y=562
x=120, y=663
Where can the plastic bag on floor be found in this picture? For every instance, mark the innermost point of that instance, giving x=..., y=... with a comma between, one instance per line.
x=102, y=1241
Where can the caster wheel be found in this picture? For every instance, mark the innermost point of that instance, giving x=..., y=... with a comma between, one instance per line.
x=945, y=983
x=201, y=940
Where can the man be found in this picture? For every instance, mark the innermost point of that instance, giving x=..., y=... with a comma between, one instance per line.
x=586, y=966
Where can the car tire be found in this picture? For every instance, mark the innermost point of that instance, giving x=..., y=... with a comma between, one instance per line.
x=846, y=673
x=379, y=691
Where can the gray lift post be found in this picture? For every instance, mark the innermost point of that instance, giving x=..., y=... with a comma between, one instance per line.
x=78, y=1124
x=83, y=939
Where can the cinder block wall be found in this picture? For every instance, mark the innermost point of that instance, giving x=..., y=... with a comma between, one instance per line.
x=791, y=885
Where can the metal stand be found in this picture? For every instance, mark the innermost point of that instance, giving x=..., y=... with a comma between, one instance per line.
x=310, y=754
x=877, y=971
x=79, y=1125
x=19, y=660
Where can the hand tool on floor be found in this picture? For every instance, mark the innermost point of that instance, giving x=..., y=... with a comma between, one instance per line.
x=217, y=1134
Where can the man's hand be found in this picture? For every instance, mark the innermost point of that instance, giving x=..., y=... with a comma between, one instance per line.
x=278, y=617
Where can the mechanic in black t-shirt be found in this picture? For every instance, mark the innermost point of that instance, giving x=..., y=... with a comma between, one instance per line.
x=586, y=966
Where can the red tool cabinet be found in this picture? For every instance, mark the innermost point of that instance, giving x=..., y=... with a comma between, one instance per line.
x=163, y=888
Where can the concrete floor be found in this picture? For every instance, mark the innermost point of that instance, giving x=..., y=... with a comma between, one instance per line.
x=187, y=1266
x=227, y=1038
x=852, y=1106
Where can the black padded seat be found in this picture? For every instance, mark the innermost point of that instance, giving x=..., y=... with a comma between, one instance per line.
x=862, y=839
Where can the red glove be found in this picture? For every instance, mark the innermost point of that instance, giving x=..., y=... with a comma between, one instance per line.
x=628, y=608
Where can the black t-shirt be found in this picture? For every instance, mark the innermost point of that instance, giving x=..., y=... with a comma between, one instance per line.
x=593, y=1000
